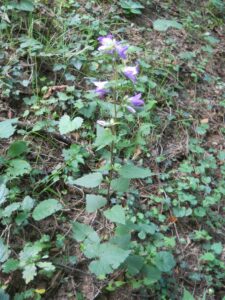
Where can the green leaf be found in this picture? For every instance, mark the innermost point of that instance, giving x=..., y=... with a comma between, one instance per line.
x=187, y=295
x=10, y=209
x=116, y=214
x=163, y=24
x=17, y=148
x=217, y=248
x=164, y=261
x=104, y=138
x=18, y=167
x=25, y=5
x=10, y=266
x=208, y=256
x=131, y=171
x=6, y=128
x=94, y=202
x=131, y=6
x=4, y=251
x=46, y=265
x=109, y=257
x=67, y=125
x=120, y=184
x=3, y=193
x=46, y=208
x=83, y=232
x=134, y=264
x=90, y=180
x=28, y=203
x=29, y=272
x=151, y=274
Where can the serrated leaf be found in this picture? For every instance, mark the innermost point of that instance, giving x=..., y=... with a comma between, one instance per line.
x=104, y=138
x=109, y=257
x=94, y=202
x=131, y=171
x=17, y=148
x=7, y=129
x=46, y=265
x=120, y=184
x=46, y=208
x=187, y=295
x=67, y=125
x=18, y=167
x=10, y=265
x=3, y=193
x=10, y=209
x=83, y=232
x=29, y=272
x=90, y=180
x=164, y=261
x=4, y=251
x=163, y=24
x=116, y=214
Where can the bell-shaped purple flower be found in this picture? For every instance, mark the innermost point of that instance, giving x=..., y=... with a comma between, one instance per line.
x=131, y=109
x=136, y=100
x=122, y=50
x=101, y=90
x=108, y=43
x=131, y=73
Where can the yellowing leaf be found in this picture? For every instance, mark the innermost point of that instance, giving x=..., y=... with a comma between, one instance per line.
x=40, y=291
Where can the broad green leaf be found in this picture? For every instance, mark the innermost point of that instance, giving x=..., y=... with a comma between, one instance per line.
x=7, y=129
x=217, y=247
x=120, y=184
x=4, y=251
x=104, y=138
x=17, y=148
x=46, y=265
x=10, y=265
x=151, y=274
x=90, y=180
x=25, y=5
x=18, y=167
x=29, y=272
x=187, y=295
x=67, y=125
x=109, y=257
x=116, y=214
x=10, y=209
x=84, y=231
x=134, y=264
x=164, y=261
x=131, y=6
x=28, y=203
x=46, y=208
x=3, y=193
x=94, y=202
x=131, y=171
x=163, y=24
x=208, y=256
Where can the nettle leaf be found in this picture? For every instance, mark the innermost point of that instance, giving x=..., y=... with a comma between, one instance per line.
x=116, y=214
x=90, y=180
x=164, y=261
x=109, y=257
x=3, y=193
x=67, y=125
x=46, y=208
x=163, y=24
x=120, y=184
x=29, y=272
x=83, y=232
x=4, y=251
x=187, y=295
x=104, y=138
x=94, y=202
x=17, y=148
x=7, y=129
x=131, y=171
x=18, y=167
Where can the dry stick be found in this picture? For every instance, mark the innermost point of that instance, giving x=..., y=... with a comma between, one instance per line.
x=29, y=126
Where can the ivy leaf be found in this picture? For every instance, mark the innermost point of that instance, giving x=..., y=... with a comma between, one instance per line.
x=67, y=125
x=4, y=251
x=116, y=214
x=7, y=129
x=94, y=202
x=90, y=180
x=164, y=261
x=187, y=295
x=83, y=232
x=18, y=167
x=17, y=148
x=131, y=171
x=3, y=193
x=29, y=272
x=46, y=208
x=164, y=24
x=109, y=257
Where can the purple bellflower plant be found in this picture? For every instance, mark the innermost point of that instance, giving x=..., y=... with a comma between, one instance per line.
x=131, y=73
x=111, y=45
x=101, y=90
x=136, y=100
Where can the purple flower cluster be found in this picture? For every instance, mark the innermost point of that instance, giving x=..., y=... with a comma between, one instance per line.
x=108, y=44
